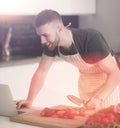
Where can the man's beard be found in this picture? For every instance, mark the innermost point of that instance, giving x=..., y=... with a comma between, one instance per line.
x=54, y=44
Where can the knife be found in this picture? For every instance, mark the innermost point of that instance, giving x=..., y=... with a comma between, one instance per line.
x=79, y=101
x=75, y=100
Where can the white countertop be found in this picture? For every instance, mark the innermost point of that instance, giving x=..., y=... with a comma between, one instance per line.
x=5, y=123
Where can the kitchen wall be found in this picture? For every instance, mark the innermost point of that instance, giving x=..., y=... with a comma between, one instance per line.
x=106, y=20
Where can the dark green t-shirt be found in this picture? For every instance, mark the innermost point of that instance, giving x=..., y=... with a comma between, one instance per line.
x=90, y=43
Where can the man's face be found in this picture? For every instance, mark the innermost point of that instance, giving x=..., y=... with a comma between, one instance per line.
x=49, y=35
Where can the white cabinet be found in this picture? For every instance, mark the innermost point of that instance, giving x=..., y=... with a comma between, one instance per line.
x=65, y=7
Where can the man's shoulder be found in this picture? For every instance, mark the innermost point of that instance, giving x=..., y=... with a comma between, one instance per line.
x=85, y=30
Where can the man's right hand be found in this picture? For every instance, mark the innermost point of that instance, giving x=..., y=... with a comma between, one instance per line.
x=23, y=104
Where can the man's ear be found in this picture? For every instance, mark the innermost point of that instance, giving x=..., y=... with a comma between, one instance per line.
x=59, y=28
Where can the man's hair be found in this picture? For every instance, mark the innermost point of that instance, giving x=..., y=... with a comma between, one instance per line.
x=47, y=16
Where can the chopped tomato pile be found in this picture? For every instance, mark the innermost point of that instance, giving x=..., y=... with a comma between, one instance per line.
x=104, y=118
x=68, y=113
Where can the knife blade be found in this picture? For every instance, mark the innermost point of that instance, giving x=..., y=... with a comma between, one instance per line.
x=75, y=100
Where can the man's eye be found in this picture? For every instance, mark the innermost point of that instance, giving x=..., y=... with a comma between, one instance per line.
x=45, y=36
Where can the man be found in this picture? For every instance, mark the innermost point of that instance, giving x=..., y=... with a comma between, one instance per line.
x=98, y=84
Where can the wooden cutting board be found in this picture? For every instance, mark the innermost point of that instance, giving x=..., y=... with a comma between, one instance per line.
x=34, y=118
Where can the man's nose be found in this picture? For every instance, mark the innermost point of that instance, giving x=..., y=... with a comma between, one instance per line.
x=43, y=40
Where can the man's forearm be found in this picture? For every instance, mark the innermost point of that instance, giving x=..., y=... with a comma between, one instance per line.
x=36, y=85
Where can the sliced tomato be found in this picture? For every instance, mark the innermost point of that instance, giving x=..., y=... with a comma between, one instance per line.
x=105, y=121
x=48, y=112
x=82, y=112
x=66, y=113
x=70, y=113
x=111, y=117
x=60, y=113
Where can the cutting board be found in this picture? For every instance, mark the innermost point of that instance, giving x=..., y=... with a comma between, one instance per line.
x=34, y=118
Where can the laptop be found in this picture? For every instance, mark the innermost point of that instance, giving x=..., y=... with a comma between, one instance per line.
x=7, y=105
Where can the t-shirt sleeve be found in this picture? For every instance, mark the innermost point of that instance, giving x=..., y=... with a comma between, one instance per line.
x=51, y=53
x=96, y=49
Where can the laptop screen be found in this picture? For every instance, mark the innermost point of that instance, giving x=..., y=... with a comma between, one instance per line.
x=7, y=105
